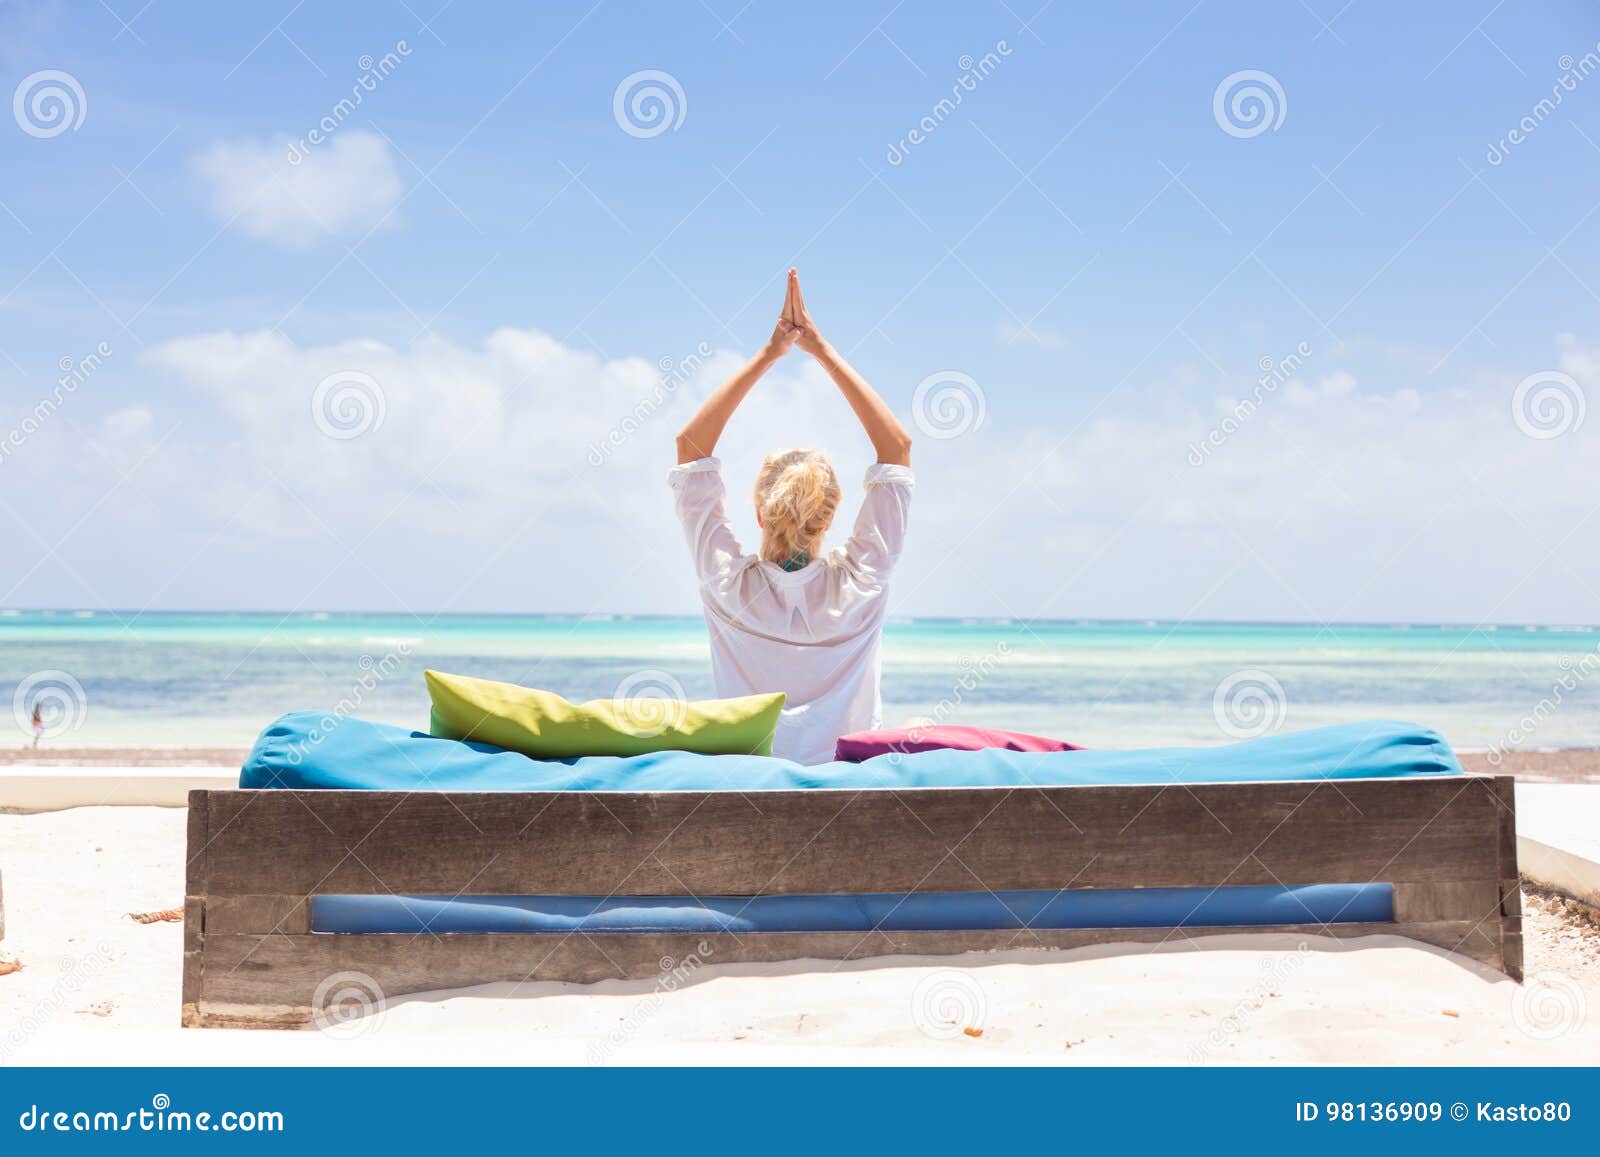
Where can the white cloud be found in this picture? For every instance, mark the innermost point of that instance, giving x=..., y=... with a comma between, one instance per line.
x=349, y=184
x=1340, y=382
x=1345, y=500
x=468, y=435
x=481, y=485
x=482, y=488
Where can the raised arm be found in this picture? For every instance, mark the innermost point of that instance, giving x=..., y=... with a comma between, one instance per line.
x=698, y=439
x=889, y=437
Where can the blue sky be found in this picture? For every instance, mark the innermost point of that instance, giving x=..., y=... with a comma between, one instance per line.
x=1105, y=260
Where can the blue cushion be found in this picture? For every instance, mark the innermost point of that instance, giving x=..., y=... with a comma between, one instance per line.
x=310, y=750
x=861, y=912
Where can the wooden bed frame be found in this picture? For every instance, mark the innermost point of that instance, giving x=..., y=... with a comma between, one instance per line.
x=1447, y=844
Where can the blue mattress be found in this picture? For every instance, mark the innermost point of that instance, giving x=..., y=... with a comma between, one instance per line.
x=308, y=750
x=888, y=912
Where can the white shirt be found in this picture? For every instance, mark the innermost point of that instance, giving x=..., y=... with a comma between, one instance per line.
x=814, y=632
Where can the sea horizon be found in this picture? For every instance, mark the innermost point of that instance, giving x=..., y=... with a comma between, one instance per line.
x=216, y=678
x=1076, y=620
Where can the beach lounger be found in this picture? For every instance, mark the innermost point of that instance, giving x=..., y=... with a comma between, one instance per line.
x=845, y=865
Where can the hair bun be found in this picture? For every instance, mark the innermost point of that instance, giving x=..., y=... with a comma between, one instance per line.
x=796, y=494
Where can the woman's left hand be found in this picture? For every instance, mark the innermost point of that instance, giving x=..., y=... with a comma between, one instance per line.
x=794, y=309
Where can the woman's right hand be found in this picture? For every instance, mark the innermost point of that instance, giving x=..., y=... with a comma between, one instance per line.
x=787, y=331
x=784, y=335
x=794, y=310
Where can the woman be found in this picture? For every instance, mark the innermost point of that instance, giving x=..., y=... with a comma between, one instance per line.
x=790, y=618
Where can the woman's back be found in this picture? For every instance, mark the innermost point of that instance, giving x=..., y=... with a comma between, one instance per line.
x=812, y=632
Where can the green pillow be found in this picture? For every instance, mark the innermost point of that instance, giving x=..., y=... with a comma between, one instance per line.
x=544, y=725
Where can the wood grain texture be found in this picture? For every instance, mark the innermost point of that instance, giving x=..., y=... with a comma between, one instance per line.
x=1510, y=879
x=254, y=913
x=196, y=884
x=1453, y=900
x=763, y=843
x=1448, y=846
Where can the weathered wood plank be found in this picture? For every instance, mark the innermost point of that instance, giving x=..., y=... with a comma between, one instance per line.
x=1451, y=900
x=945, y=839
x=265, y=914
x=1510, y=879
x=197, y=859
x=1448, y=845
x=271, y=980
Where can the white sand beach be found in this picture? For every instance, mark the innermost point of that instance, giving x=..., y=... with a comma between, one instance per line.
x=95, y=986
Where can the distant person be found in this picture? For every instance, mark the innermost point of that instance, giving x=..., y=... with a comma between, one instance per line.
x=790, y=618
x=38, y=723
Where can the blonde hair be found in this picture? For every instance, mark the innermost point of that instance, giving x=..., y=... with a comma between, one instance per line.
x=796, y=495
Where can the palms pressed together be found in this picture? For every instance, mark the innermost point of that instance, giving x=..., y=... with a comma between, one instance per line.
x=795, y=327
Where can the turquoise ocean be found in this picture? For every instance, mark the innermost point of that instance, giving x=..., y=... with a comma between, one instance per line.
x=162, y=679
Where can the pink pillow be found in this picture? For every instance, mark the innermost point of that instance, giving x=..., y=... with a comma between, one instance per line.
x=941, y=736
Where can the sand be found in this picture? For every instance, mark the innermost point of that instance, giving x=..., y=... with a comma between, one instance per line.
x=1555, y=765
x=96, y=986
x=82, y=758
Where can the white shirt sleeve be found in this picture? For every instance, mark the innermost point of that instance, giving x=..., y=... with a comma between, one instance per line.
x=702, y=508
x=880, y=532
